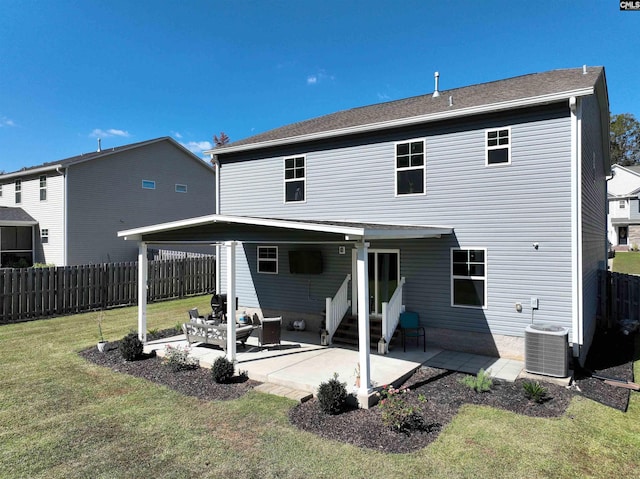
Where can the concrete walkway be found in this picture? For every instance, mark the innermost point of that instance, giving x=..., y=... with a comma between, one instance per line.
x=300, y=364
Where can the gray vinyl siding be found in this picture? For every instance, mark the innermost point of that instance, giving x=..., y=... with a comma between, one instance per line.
x=291, y=292
x=504, y=209
x=106, y=196
x=634, y=210
x=594, y=200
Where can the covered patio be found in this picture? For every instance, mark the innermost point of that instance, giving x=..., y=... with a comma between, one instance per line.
x=223, y=231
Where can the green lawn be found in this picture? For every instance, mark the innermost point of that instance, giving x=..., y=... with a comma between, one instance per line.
x=628, y=263
x=65, y=418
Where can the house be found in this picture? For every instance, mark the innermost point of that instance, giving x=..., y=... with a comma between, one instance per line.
x=68, y=212
x=623, y=219
x=481, y=208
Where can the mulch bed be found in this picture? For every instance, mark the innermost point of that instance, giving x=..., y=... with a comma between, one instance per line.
x=192, y=382
x=611, y=355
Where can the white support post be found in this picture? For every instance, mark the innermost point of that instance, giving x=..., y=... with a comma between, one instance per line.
x=218, y=268
x=142, y=291
x=231, y=300
x=363, y=324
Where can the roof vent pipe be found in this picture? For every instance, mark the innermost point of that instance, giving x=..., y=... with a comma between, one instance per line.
x=436, y=93
x=99, y=145
x=584, y=69
x=450, y=101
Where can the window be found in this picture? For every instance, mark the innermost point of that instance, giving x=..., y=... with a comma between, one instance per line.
x=44, y=235
x=294, y=179
x=43, y=188
x=468, y=278
x=148, y=184
x=0, y=190
x=268, y=259
x=622, y=204
x=181, y=188
x=410, y=168
x=18, y=186
x=498, y=146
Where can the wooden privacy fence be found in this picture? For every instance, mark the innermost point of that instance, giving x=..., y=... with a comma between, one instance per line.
x=619, y=297
x=31, y=293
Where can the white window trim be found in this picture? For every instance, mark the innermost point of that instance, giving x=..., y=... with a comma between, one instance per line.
x=0, y=191
x=44, y=233
x=17, y=185
x=303, y=179
x=396, y=169
x=488, y=148
x=267, y=260
x=179, y=191
x=148, y=187
x=483, y=278
x=46, y=196
x=622, y=204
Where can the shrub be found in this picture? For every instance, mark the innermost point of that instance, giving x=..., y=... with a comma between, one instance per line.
x=480, y=383
x=534, y=391
x=222, y=370
x=397, y=413
x=130, y=347
x=332, y=395
x=177, y=358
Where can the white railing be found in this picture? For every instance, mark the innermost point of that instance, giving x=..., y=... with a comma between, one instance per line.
x=337, y=307
x=391, y=313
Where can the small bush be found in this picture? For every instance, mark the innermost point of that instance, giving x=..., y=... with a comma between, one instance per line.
x=332, y=396
x=397, y=413
x=534, y=391
x=480, y=383
x=177, y=358
x=222, y=370
x=131, y=347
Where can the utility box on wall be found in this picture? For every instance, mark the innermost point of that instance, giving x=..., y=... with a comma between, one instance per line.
x=546, y=349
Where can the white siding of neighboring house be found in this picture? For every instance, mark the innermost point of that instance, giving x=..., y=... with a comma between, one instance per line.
x=49, y=213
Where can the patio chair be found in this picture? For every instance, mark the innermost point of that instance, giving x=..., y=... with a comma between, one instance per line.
x=410, y=328
x=194, y=316
x=269, y=331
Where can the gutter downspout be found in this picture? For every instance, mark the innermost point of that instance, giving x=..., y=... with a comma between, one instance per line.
x=216, y=166
x=64, y=172
x=575, y=106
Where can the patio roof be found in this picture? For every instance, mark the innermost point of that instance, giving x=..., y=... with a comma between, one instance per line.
x=219, y=228
x=15, y=217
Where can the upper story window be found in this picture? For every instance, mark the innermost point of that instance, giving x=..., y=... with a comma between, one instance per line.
x=148, y=184
x=294, y=179
x=44, y=235
x=268, y=259
x=410, y=168
x=43, y=188
x=498, y=146
x=469, y=278
x=0, y=190
x=18, y=190
x=622, y=204
x=181, y=188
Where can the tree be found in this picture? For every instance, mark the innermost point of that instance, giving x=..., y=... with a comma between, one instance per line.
x=624, y=138
x=221, y=140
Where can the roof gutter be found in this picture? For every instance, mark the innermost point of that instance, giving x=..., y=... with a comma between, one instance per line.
x=31, y=171
x=443, y=115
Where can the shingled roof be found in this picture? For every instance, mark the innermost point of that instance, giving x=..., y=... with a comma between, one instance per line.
x=536, y=88
x=91, y=156
x=15, y=216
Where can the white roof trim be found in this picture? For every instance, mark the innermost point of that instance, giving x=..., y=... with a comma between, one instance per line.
x=31, y=171
x=474, y=110
x=350, y=232
x=18, y=223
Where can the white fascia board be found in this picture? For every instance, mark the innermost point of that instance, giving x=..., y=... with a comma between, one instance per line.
x=444, y=115
x=31, y=171
x=172, y=225
x=18, y=223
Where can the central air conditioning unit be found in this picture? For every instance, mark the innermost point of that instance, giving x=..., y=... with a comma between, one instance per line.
x=546, y=350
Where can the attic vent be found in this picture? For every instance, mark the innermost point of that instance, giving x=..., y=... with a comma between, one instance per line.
x=546, y=349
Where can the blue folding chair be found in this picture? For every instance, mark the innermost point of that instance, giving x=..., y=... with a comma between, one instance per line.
x=410, y=328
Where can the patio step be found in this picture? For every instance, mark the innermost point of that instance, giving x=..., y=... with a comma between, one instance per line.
x=347, y=332
x=284, y=391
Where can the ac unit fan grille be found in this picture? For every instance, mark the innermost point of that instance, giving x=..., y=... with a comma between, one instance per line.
x=546, y=351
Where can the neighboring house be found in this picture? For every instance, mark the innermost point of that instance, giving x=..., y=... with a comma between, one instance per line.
x=623, y=220
x=68, y=212
x=488, y=200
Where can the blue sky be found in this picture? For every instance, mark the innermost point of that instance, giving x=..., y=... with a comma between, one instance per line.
x=128, y=71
